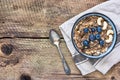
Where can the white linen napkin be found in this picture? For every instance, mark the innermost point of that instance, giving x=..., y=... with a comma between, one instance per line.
x=112, y=10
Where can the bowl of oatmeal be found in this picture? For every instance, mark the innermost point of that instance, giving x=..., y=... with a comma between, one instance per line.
x=94, y=35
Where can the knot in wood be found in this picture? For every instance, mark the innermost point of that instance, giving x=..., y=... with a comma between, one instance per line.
x=25, y=77
x=7, y=49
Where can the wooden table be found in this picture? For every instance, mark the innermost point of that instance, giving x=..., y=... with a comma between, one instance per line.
x=25, y=48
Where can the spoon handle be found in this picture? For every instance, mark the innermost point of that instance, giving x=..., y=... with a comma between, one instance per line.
x=65, y=65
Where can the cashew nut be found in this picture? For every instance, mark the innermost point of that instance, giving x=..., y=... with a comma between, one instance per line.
x=87, y=52
x=105, y=24
x=109, y=39
x=99, y=21
x=110, y=32
x=92, y=51
x=91, y=23
x=104, y=49
x=97, y=53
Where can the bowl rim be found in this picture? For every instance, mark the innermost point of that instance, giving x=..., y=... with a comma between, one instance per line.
x=108, y=20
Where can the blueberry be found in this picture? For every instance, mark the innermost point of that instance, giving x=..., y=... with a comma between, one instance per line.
x=93, y=29
x=85, y=30
x=97, y=36
x=86, y=43
x=99, y=29
x=101, y=42
x=91, y=37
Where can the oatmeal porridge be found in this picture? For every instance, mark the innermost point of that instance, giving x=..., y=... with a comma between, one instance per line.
x=93, y=35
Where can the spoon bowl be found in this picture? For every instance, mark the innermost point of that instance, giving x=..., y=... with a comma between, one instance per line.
x=54, y=37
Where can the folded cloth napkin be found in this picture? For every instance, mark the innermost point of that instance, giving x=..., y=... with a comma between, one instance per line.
x=111, y=9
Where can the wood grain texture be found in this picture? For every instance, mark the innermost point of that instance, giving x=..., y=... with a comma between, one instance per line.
x=34, y=18
x=41, y=61
x=25, y=25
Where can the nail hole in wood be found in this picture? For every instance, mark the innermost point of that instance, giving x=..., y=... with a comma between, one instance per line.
x=15, y=7
x=25, y=77
x=7, y=49
x=3, y=22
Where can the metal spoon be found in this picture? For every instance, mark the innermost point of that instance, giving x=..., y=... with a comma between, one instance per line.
x=55, y=39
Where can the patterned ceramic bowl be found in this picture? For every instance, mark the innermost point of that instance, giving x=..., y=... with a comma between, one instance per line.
x=94, y=35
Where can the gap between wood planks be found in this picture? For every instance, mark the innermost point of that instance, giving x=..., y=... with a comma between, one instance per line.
x=118, y=38
x=27, y=37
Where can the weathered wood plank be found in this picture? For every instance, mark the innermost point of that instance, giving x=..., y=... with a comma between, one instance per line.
x=34, y=18
x=37, y=57
x=40, y=59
